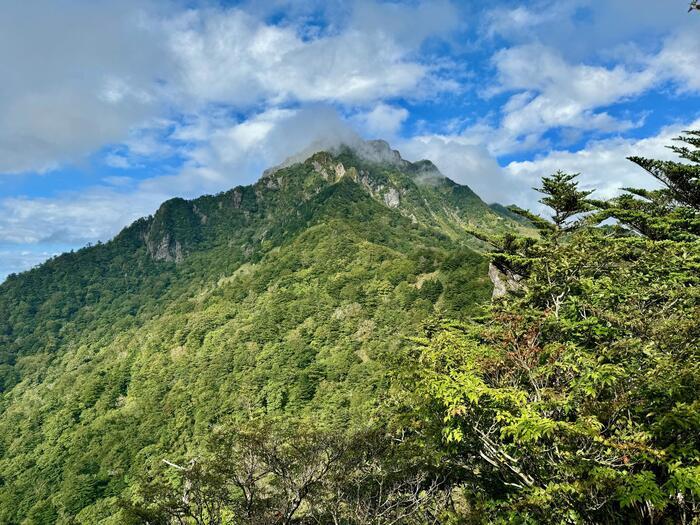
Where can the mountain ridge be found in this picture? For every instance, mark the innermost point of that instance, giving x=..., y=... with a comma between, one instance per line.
x=285, y=298
x=413, y=184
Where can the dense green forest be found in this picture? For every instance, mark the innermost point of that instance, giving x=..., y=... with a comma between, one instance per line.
x=277, y=299
x=323, y=347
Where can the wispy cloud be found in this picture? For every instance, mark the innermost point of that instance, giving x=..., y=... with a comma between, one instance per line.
x=163, y=99
x=603, y=163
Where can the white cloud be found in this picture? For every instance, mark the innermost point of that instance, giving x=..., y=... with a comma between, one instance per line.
x=516, y=22
x=72, y=218
x=550, y=92
x=114, y=160
x=468, y=164
x=383, y=121
x=75, y=76
x=678, y=61
x=553, y=93
x=603, y=164
x=580, y=29
x=408, y=25
x=80, y=76
x=231, y=57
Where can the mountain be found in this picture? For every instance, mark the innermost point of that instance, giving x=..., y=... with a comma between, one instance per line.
x=283, y=298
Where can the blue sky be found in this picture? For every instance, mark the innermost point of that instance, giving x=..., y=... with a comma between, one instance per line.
x=107, y=108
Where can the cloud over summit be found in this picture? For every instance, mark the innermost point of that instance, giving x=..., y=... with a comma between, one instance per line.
x=121, y=105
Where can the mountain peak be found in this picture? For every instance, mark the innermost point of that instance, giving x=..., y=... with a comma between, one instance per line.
x=416, y=190
x=377, y=151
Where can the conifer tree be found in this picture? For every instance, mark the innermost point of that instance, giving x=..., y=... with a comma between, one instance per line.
x=574, y=399
x=513, y=254
x=672, y=212
x=682, y=180
x=562, y=195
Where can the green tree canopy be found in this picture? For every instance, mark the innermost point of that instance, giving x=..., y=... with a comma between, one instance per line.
x=577, y=399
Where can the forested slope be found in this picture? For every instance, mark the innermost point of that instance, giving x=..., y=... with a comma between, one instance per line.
x=287, y=297
x=573, y=397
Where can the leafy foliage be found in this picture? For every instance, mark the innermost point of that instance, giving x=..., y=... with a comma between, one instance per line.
x=278, y=300
x=269, y=473
x=253, y=357
x=575, y=399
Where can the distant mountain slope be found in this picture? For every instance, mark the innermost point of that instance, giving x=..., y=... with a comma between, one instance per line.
x=134, y=273
x=278, y=298
x=504, y=212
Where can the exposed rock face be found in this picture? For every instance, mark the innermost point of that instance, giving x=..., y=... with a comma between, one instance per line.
x=391, y=198
x=503, y=282
x=321, y=170
x=174, y=229
x=165, y=250
x=237, y=198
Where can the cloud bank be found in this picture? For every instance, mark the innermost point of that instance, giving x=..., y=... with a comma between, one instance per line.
x=132, y=102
